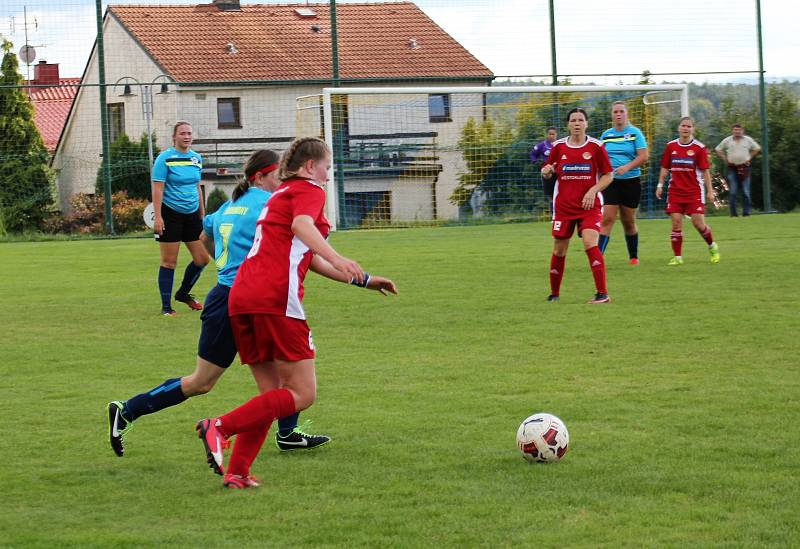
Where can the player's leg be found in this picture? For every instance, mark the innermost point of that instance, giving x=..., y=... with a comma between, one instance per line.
x=733, y=191
x=627, y=214
x=249, y=443
x=590, y=238
x=612, y=198
x=610, y=212
x=676, y=238
x=699, y=222
x=562, y=232
x=194, y=269
x=122, y=414
x=166, y=273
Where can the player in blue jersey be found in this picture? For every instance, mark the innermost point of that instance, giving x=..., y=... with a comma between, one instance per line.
x=179, y=212
x=627, y=149
x=228, y=234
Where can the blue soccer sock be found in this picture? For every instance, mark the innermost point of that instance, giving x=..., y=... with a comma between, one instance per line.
x=190, y=276
x=165, y=279
x=603, y=242
x=632, y=240
x=287, y=424
x=165, y=395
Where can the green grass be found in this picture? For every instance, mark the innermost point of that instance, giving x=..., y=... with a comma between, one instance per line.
x=681, y=398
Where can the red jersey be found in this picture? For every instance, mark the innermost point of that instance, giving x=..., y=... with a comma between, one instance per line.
x=685, y=163
x=270, y=281
x=577, y=169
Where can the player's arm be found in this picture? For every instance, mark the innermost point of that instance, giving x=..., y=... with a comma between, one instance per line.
x=710, y=194
x=662, y=176
x=157, y=190
x=549, y=168
x=303, y=227
x=208, y=242
x=602, y=182
x=641, y=158
x=373, y=282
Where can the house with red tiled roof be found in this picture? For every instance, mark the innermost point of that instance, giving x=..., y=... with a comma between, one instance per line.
x=51, y=104
x=236, y=73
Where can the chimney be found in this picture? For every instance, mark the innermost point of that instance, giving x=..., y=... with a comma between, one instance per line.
x=227, y=5
x=45, y=74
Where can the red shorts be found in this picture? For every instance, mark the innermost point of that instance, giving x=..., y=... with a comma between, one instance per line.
x=264, y=338
x=685, y=206
x=563, y=228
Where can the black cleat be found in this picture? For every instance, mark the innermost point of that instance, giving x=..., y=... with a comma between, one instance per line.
x=552, y=297
x=117, y=426
x=298, y=440
x=190, y=301
x=599, y=298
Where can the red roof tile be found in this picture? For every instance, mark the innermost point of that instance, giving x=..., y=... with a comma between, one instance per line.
x=51, y=107
x=274, y=43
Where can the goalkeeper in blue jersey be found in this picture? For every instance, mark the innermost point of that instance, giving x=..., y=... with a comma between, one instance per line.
x=627, y=149
x=228, y=235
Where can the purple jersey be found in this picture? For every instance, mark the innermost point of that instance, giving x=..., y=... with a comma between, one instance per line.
x=541, y=151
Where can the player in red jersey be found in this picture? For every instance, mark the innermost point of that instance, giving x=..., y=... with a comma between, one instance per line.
x=582, y=169
x=686, y=160
x=266, y=310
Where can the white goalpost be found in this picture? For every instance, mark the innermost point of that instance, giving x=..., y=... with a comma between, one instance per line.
x=408, y=156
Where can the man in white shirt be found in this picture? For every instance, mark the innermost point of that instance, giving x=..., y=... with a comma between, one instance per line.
x=737, y=151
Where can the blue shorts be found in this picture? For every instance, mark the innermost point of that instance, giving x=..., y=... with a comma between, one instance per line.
x=216, y=344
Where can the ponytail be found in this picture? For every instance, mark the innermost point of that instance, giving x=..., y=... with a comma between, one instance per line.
x=260, y=159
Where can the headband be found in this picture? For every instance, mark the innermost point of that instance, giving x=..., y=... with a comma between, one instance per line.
x=264, y=171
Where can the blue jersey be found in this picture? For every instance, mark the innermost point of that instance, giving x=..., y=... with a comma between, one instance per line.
x=180, y=173
x=621, y=146
x=233, y=227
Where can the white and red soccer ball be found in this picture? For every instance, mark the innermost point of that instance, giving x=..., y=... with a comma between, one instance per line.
x=543, y=437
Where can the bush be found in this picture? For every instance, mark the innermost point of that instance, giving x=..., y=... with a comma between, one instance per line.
x=130, y=167
x=88, y=215
x=216, y=199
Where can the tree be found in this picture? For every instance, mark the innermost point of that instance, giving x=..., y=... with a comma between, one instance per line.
x=130, y=167
x=26, y=182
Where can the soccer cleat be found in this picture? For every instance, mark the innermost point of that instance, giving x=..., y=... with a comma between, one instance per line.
x=190, y=300
x=599, y=298
x=117, y=426
x=553, y=298
x=634, y=261
x=213, y=442
x=168, y=312
x=714, y=251
x=677, y=260
x=298, y=440
x=238, y=482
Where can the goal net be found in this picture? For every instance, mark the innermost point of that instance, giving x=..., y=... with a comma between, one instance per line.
x=443, y=155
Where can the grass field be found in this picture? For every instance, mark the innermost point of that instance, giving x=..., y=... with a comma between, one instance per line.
x=682, y=398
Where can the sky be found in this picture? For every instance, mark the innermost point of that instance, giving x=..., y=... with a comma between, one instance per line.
x=512, y=37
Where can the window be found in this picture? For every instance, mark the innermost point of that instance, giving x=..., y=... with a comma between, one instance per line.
x=228, y=113
x=439, y=107
x=116, y=120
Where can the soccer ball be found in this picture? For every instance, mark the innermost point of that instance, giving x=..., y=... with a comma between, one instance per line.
x=543, y=437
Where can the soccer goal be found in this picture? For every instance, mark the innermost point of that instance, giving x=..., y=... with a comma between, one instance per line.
x=443, y=155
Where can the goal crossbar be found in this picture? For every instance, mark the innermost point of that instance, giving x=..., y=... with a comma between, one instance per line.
x=327, y=93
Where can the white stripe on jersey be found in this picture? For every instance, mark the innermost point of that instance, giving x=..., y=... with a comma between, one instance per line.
x=699, y=176
x=294, y=308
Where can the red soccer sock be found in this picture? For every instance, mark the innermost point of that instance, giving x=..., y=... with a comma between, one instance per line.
x=556, y=273
x=258, y=412
x=707, y=236
x=598, y=269
x=245, y=450
x=676, y=238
